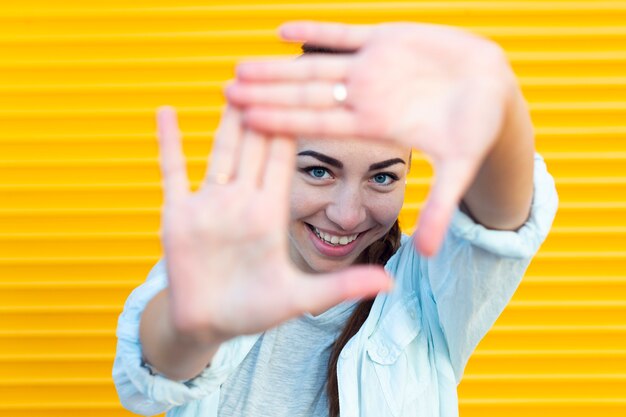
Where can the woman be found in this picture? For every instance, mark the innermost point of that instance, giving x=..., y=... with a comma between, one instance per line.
x=253, y=311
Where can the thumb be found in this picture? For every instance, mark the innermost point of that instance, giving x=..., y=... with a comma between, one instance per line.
x=318, y=293
x=451, y=181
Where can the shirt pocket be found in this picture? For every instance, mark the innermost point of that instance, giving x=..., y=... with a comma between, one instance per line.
x=394, y=350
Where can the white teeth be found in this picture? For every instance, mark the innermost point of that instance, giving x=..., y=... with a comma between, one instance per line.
x=335, y=240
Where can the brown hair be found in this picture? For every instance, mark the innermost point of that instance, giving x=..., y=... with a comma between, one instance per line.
x=378, y=253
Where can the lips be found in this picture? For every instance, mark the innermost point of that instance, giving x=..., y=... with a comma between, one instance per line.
x=331, y=245
x=335, y=240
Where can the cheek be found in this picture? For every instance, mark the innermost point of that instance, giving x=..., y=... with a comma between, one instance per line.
x=304, y=200
x=386, y=209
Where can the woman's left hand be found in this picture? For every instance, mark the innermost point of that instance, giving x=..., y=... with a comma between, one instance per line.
x=438, y=89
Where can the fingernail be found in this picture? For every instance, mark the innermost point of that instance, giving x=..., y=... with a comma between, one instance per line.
x=228, y=88
x=418, y=245
x=243, y=70
x=245, y=118
x=286, y=30
x=166, y=120
x=159, y=118
x=164, y=113
x=391, y=283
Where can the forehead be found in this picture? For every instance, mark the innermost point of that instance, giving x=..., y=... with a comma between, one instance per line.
x=355, y=151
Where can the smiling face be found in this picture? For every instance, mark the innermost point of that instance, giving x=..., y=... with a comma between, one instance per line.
x=346, y=194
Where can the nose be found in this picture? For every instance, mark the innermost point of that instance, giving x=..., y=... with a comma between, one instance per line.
x=347, y=210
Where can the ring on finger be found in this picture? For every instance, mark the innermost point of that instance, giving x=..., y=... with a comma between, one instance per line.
x=218, y=178
x=340, y=93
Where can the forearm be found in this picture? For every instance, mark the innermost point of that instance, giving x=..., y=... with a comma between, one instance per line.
x=501, y=194
x=176, y=355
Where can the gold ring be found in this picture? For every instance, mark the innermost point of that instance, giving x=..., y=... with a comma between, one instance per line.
x=218, y=178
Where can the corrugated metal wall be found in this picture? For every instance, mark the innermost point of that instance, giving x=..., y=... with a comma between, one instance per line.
x=80, y=193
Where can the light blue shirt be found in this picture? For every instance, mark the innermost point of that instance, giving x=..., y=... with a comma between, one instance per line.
x=408, y=357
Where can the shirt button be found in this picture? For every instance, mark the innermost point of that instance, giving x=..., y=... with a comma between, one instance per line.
x=383, y=351
x=344, y=354
x=412, y=314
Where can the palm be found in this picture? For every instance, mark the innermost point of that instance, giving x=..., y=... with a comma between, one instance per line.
x=443, y=102
x=226, y=245
x=434, y=88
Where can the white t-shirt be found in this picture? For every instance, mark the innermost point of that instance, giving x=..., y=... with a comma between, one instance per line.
x=285, y=373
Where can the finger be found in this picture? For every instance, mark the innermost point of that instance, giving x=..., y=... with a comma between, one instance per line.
x=337, y=122
x=171, y=157
x=252, y=159
x=451, y=181
x=281, y=156
x=224, y=152
x=319, y=293
x=331, y=35
x=313, y=94
x=305, y=68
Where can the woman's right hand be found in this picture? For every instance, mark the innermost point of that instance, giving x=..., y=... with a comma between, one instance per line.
x=226, y=244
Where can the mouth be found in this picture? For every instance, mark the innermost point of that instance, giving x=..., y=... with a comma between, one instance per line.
x=331, y=239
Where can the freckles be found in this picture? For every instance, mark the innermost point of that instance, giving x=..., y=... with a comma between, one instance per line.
x=304, y=201
x=297, y=197
x=297, y=207
x=386, y=209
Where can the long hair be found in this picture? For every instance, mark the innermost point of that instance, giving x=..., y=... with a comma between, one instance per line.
x=378, y=253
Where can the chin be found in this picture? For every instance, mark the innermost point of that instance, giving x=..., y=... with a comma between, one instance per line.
x=327, y=265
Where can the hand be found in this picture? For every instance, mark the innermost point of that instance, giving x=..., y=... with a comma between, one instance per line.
x=434, y=88
x=226, y=244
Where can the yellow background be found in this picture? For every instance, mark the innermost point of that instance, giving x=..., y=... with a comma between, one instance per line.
x=80, y=194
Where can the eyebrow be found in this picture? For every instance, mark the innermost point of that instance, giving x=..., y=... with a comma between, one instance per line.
x=324, y=158
x=385, y=164
x=338, y=164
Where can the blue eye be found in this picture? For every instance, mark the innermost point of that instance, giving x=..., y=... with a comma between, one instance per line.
x=384, y=178
x=319, y=173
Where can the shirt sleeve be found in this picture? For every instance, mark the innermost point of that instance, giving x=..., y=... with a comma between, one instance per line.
x=145, y=392
x=477, y=270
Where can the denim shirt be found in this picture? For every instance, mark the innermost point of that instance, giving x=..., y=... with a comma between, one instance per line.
x=408, y=357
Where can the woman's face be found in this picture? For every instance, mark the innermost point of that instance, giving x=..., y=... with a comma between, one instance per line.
x=346, y=194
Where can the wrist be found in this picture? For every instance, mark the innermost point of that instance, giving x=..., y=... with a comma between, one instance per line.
x=192, y=330
x=177, y=355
